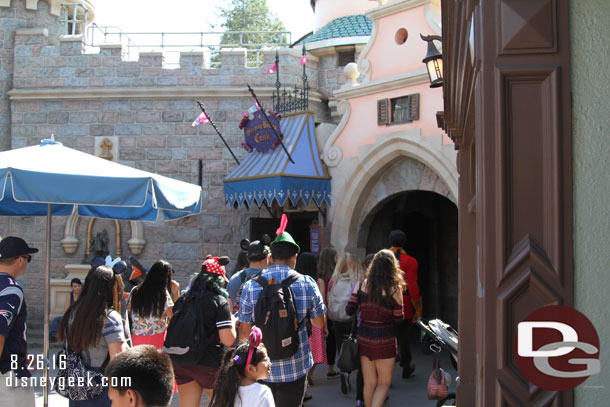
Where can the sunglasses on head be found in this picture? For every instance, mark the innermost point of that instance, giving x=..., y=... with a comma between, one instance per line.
x=28, y=257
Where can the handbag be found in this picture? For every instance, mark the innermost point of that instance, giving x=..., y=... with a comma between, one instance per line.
x=75, y=381
x=437, y=385
x=349, y=356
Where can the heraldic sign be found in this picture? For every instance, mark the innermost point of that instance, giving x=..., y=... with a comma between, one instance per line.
x=259, y=134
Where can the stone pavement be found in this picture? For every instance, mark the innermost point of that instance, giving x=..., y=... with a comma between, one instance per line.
x=327, y=392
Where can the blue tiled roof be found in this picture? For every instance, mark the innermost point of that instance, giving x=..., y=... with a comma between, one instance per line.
x=349, y=26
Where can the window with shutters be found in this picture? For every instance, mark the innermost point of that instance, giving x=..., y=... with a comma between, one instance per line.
x=404, y=109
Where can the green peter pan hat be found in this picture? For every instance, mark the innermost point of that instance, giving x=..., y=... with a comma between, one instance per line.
x=284, y=237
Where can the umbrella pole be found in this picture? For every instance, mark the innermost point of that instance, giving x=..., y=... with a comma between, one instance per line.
x=45, y=329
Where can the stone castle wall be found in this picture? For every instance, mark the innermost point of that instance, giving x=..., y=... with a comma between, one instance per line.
x=145, y=111
x=12, y=18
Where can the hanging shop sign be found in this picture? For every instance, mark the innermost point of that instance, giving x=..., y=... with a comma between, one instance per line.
x=259, y=134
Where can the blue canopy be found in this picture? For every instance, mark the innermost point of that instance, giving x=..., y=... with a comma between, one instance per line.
x=32, y=177
x=271, y=176
x=50, y=179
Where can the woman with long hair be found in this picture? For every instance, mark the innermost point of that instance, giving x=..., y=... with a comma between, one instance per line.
x=327, y=260
x=379, y=299
x=207, y=289
x=347, y=274
x=93, y=325
x=150, y=306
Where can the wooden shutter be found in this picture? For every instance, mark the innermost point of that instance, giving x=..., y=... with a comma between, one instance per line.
x=383, y=112
x=413, y=113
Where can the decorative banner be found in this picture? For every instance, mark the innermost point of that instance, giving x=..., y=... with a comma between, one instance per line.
x=259, y=135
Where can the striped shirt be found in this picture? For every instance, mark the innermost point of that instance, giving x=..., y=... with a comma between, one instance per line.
x=308, y=303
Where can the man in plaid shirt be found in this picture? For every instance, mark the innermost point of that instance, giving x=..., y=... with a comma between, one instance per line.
x=287, y=378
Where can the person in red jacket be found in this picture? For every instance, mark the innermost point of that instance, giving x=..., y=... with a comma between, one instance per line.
x=412, y=301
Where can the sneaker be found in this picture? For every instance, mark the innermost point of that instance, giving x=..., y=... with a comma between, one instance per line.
x=359, y=403
x=332, y=375
x=345, y=384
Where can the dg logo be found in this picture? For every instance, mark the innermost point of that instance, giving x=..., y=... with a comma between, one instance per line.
x=556, y=348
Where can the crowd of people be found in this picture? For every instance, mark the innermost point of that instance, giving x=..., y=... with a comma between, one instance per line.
x=263, y=331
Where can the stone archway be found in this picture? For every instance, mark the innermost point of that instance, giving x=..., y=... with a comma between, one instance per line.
x=429, y=221
x=361, y=182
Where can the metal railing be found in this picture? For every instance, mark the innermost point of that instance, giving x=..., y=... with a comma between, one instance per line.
x=172, y=43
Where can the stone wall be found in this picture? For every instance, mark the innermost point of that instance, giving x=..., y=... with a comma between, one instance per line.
x=12, y=17
x=146, y=111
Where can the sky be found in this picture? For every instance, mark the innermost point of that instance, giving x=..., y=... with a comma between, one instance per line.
x=191, y=15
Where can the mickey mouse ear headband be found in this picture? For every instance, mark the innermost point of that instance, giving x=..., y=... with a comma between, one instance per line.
x=117, y=265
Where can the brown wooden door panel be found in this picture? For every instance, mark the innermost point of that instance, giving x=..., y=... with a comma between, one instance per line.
x=515, y=203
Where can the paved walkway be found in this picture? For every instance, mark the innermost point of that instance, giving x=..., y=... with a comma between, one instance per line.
x=327, y=392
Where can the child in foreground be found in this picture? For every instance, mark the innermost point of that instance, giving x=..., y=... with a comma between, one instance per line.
x=237, y=384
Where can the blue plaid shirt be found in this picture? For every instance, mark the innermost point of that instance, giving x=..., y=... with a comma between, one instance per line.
x=308, y=302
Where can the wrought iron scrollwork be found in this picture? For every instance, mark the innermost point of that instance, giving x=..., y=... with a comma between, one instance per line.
x=287, y=101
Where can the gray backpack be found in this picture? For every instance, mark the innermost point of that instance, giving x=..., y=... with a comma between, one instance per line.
x=338, y=299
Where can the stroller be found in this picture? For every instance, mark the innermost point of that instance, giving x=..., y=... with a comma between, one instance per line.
x=436, y=336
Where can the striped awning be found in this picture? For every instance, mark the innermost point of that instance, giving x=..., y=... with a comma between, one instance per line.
x=264, y=177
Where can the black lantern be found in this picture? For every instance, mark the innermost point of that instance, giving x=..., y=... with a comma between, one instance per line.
x=433, y=61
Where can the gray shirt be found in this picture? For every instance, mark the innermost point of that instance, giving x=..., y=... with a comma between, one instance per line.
x=112, y=332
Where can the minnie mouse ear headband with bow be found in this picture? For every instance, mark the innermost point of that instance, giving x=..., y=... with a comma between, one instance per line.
x=284, y=237
x=215, y=265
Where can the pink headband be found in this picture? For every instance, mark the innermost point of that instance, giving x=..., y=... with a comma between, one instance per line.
x=254, y=339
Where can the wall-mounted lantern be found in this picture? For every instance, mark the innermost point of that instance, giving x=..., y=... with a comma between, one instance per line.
x=433, y=61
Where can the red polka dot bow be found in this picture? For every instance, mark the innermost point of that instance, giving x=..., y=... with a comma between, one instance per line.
x=212, y=266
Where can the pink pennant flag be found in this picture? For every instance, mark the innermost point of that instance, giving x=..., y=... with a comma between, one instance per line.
x=255, y=107
x=201, y=119
x=303, y=60
x=272, y=68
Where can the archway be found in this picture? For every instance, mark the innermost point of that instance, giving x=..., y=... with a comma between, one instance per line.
x=430, y=222
x=396, y=162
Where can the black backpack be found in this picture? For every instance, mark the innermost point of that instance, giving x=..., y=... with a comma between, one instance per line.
x=275, y=315
x=244, y=280
x=186, y=340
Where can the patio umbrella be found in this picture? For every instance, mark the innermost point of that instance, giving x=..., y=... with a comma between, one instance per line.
x=50, y=179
